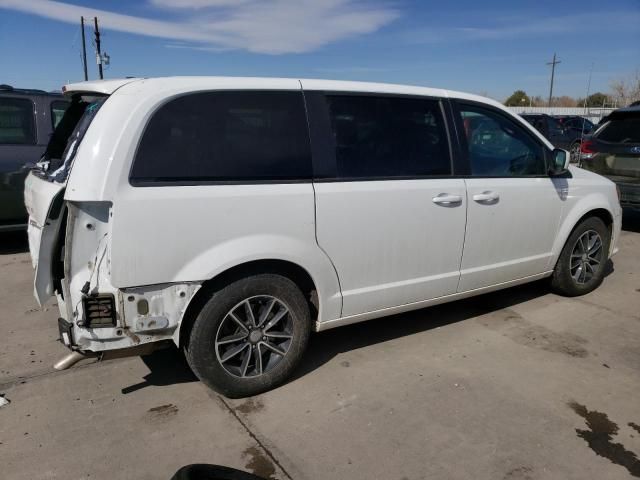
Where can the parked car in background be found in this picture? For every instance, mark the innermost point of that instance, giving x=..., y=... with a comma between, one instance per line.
x=580, y=125
x=235, y=216
x=559, y=135
x=27, y=119
x=613, y=150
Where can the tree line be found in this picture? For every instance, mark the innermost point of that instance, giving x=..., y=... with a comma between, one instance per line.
x=623, y=91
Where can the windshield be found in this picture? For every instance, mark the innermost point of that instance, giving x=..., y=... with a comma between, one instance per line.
x=621, y=130
x=65, y=140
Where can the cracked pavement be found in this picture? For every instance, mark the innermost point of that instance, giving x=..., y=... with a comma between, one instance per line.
x=518, y=384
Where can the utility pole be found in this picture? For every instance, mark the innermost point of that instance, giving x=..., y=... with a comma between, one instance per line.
x=553, y=71
x=84, y=50
x=99, y=53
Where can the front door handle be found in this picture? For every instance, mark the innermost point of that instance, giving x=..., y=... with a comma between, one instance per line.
x=486, y=197
x=447, y=200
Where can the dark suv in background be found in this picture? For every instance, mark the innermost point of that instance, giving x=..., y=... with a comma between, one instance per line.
x=613, y=150
x=580, y=125
x=27, y=119
x=561, y=136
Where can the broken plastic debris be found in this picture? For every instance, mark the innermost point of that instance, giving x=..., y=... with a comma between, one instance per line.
x=4, y=401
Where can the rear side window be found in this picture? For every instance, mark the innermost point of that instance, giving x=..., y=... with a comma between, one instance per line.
x=17, y=123
x=388, y=137
x=225, y=136
x=621, y=130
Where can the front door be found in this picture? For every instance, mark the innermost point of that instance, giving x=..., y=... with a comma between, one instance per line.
x=514, y=207
x=390, y=216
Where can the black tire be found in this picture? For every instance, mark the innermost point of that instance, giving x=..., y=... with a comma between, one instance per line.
x=206, y=356
x=562, y=280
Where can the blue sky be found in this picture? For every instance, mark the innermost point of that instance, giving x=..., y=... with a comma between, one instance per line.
x=491, y=47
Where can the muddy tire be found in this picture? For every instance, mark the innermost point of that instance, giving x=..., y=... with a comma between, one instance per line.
x=250, y=335
x=582, y=263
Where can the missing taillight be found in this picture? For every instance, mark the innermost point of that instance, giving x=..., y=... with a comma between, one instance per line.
x=99, y=311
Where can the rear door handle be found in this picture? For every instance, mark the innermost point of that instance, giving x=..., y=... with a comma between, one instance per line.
x=447, y=200
x=486, y=197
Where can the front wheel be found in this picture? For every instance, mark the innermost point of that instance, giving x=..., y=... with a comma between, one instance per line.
x=250, y=335
x=581, y=266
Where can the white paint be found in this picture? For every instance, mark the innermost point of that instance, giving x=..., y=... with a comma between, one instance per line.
x=372, y=248
x=390, y=243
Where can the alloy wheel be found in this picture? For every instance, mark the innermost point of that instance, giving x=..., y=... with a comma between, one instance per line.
x=586, y=257
x=254, y=336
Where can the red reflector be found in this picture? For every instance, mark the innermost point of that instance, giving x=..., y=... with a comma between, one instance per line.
x=588, y=147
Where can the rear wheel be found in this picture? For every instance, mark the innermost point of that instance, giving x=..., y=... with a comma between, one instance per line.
x=250, y=335
x=581, y=266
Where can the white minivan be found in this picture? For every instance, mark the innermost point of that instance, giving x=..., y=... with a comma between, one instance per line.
x=235, y=216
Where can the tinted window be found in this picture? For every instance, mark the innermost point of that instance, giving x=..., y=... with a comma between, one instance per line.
x=58, y=108
x=538, y=123
x=621, y=130
x=388, y=137
x=498, y=146
x=226, y=136
x=554, y=125
x=17, y=125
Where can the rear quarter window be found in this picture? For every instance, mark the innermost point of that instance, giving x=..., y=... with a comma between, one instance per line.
x=17, y=122
x=621, y=130
x=225, y=137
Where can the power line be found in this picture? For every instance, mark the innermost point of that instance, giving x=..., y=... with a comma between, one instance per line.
x=98, y=52
x=84, y=50
x=553, y=71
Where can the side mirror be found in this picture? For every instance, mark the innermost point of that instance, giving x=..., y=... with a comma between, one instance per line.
x=559, y=161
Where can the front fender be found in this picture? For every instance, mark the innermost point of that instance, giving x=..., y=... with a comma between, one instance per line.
x=577, y=208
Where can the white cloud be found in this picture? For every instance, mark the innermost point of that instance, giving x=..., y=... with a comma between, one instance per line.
x=524, y=26
x=197, y=3
x=260, y=26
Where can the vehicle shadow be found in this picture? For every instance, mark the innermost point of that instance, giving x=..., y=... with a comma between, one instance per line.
x=167, y=366
x=631, y=220
x=13, y=242
x=324, y=346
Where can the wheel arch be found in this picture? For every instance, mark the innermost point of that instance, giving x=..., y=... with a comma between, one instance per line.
x=299, y=275
x=574, y=219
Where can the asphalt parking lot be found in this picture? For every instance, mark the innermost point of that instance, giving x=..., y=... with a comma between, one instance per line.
x=519, y=384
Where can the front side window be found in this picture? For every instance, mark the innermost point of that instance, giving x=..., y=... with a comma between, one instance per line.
x=498, y=146
x=17, y=123
x=388, y=137
x=225, y=136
